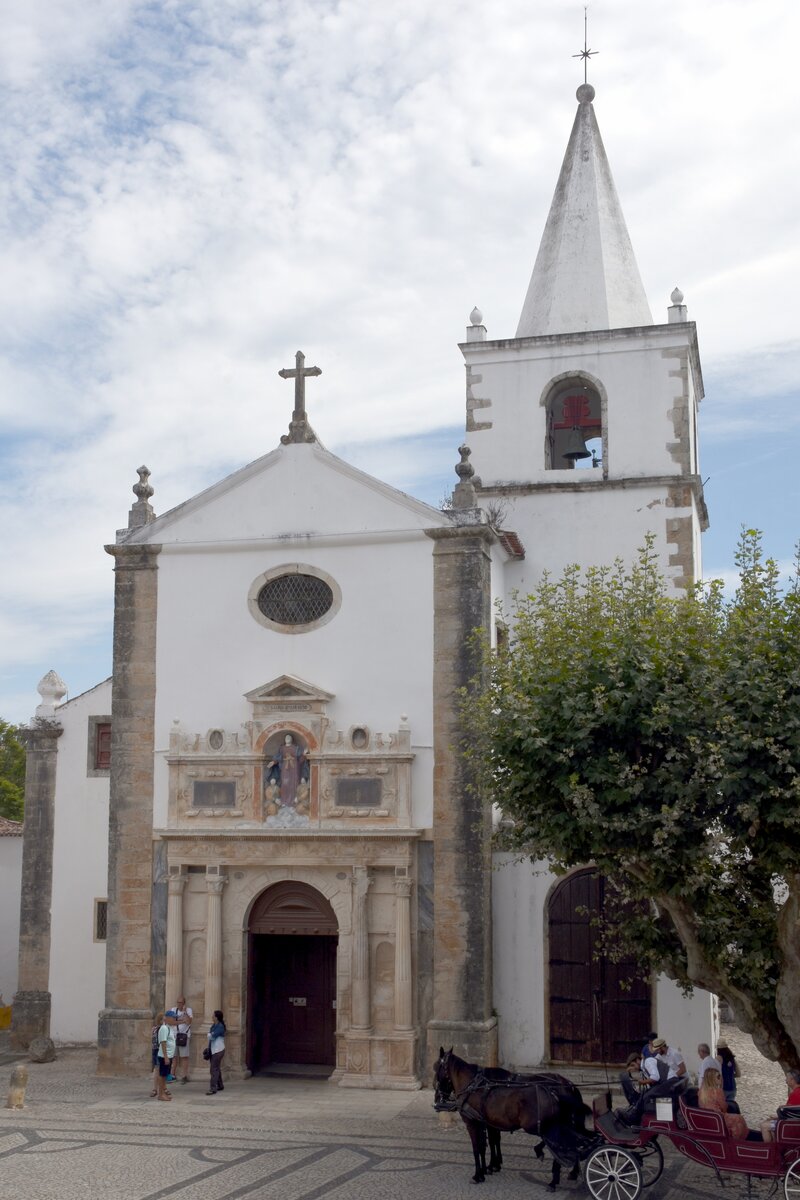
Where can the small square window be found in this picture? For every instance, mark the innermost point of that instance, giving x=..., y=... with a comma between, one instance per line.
x=100, y=920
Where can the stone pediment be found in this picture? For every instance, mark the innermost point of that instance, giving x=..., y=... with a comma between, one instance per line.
x=287, y=694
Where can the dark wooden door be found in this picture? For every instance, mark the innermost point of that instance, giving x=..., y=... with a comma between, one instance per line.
x=599, y=1010
x=293, y=999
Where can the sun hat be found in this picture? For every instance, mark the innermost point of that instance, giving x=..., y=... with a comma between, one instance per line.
x=659, y=1044
x=722, y=1044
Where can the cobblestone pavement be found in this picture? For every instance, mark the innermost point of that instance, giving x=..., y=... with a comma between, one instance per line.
x=291, y=1139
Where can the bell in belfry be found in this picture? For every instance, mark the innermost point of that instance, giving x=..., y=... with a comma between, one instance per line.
x=576, y=446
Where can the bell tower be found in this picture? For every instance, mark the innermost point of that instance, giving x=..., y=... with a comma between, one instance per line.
x=583, y=426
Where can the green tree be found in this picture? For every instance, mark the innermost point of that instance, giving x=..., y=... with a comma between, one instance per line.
x=658, y=736
x=12, y=773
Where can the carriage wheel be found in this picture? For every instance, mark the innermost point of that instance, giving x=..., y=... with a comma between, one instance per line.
x=791, y=1181
x=651, y=1160
x=612, y=1173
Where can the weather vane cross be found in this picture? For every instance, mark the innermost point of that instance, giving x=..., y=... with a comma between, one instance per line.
x=585, y=53
x=299, y=430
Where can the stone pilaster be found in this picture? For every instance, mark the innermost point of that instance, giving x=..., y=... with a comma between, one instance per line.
x=402, y=955
x=124, y=1024
x=213, y=998
x=361, y=1016
x=31, y=1007
x=462, y=939
x=173, y=983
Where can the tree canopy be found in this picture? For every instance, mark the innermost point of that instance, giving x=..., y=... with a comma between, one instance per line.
x=12, y=773
x=657, y=736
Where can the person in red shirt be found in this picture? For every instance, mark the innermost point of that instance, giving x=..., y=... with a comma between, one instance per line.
x=793, y=1087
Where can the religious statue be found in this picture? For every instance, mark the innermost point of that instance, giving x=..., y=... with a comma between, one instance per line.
x=286, y=779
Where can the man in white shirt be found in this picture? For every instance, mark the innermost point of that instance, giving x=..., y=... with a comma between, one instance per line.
x=676, y=1067
x=706, y=1062
x=663, y=1068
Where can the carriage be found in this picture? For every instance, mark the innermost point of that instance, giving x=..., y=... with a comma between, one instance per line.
x=618, y=1161
x=624, y=1161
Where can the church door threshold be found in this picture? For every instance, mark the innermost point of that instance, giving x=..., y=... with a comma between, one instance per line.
x=298, y=1070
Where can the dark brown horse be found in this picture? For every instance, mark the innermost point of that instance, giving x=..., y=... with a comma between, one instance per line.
x=490, y=1100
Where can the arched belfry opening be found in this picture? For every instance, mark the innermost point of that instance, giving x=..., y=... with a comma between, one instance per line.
x=600, y=1009
x=575, y=433
x=292, y=937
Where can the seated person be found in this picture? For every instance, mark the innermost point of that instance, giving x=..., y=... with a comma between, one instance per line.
x=631, y=1079
x=712, y=1096
x=665, y=1073
x=793, y=1088
x=672, y=1057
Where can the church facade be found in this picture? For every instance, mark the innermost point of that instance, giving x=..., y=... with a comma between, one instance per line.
x=264, y=808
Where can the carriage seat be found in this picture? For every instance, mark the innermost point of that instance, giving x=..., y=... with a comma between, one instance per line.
x=678, y=1088
x=703, y=1120
x=614, y=1130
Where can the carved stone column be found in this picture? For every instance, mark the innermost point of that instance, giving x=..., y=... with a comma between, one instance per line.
x=213, y=998
x=125, y=1022
x=402, y=954
x=462, y=1000
x=31, y=1008
x=361, y=1016
x=173, y=986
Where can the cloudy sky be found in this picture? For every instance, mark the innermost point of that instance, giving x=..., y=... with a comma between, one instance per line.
x=191, y=191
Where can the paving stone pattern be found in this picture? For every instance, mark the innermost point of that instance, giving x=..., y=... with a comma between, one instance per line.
x=291, y=1139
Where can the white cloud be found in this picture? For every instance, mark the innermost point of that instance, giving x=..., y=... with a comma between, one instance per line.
x=190, y=192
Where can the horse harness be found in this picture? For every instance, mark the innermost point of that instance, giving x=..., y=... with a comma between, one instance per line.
x=479, y=1083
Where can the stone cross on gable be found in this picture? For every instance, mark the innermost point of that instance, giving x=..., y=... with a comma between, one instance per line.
x=299, y=428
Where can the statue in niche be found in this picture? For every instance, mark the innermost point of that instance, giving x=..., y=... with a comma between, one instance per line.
x=286, y=785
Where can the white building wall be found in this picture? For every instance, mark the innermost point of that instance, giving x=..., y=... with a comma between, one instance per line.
x=561, y=528
x=10, y=883
x=375, y=655
x=80, y=874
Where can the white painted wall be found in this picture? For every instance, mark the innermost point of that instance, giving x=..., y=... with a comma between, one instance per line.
x=10, y=881
x=80, y=875
x=375, y=655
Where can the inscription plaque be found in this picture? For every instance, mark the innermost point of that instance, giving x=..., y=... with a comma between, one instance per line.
x=214, y=793
x=358, y=793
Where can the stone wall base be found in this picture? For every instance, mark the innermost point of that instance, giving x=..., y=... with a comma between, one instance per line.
x=124, y=1041
x=367, y=1060
x=30, y=1018
x=474, y=1041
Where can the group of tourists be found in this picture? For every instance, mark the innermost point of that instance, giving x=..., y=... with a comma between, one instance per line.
x=659, y=1070
x=171, y=1049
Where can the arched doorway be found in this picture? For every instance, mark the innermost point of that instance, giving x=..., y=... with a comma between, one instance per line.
x=291, y=978
x=593, y=1017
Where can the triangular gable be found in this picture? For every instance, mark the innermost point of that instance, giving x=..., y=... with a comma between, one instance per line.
x=299, y=488
x=287, y=693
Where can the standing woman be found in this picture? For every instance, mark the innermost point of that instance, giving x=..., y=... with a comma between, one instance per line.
x=216, y=1046
x=729, y=1069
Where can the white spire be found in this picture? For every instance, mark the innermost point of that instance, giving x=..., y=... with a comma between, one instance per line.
x=585, y=275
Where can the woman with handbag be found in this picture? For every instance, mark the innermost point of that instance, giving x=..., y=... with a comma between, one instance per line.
x=183, y=1040
x=215, y=1052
